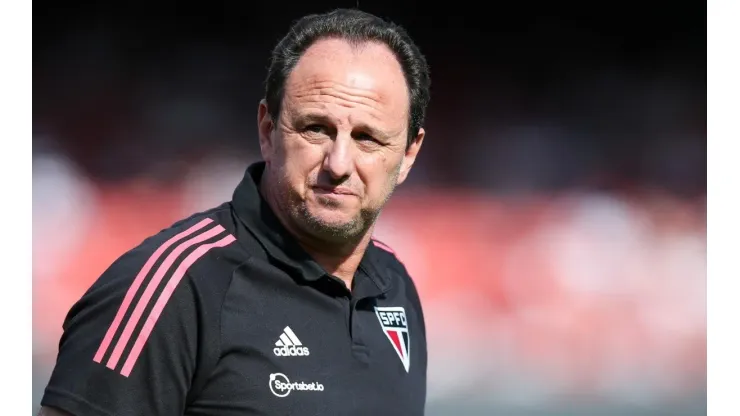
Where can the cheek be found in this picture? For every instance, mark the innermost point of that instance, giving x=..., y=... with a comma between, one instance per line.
x=378, y=172
x=301, y=158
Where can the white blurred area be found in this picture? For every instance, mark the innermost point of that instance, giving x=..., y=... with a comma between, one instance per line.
x=63, y=206
x=531, y=302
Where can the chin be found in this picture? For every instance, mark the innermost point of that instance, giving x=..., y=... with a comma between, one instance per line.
x=332, y=218
x=332, y=225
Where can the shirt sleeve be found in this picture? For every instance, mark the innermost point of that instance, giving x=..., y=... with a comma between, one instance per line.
x=130, y=343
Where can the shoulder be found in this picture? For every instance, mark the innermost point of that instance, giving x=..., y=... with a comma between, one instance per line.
x=390, y=259
x=168, y=285
x=189, y=262
x=193, y=236
x=178, y=250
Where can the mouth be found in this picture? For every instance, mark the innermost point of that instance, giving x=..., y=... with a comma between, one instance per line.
x=327, y=190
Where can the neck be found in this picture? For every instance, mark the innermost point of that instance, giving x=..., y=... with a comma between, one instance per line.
x=338, y=259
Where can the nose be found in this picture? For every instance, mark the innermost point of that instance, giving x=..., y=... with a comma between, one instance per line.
x=338, y=160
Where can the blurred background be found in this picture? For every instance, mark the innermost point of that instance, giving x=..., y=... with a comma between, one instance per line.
x=554, y=222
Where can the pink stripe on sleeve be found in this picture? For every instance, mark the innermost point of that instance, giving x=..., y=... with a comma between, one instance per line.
x=164, y=297
x=128, y=298
x=149, y=291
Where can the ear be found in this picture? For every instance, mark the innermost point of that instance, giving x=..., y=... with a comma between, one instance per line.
x=265, y=126
x=410, y=157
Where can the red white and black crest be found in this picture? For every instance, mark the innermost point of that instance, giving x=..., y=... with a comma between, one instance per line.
x=394, y=324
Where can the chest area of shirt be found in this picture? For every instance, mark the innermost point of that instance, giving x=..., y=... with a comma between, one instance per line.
x=292, y=350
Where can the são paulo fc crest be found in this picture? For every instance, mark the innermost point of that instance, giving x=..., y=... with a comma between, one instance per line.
x=394, y=324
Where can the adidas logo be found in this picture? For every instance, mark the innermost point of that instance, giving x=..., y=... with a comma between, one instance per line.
x=289, y=345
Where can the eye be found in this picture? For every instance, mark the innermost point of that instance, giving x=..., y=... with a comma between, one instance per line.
x=365, y=137
x=316, y=128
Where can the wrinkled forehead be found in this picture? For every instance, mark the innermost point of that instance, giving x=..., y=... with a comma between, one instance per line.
x=366, y=74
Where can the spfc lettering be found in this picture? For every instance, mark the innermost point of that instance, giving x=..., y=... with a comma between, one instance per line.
x=394, y=324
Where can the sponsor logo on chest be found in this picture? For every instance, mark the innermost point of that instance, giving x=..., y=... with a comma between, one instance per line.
x=288, y=345
x=281, y=386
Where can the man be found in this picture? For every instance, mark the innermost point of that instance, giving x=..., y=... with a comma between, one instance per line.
x=278, y=302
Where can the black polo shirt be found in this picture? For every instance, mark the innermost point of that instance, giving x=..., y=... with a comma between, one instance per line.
x=225, y=314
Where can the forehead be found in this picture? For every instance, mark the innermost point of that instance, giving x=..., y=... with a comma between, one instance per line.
x=341, y=77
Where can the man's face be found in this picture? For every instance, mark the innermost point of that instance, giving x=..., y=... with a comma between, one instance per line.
x=339, y=146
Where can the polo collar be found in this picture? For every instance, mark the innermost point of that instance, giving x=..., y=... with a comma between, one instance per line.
x=280, y=245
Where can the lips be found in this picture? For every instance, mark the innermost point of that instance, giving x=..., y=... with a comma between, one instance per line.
x=336, y=191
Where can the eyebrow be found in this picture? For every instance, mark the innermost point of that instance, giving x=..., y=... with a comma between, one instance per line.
x=306, y=118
